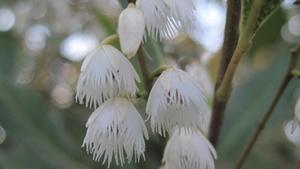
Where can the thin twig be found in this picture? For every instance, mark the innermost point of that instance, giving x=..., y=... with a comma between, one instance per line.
x=229, y=45
x=261, y=125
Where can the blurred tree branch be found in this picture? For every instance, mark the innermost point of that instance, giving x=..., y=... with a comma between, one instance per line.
x=229, y=45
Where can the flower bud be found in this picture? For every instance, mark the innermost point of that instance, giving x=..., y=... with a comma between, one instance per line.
x=131, y=30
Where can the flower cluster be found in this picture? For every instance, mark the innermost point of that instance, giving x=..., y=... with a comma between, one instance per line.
x=176, y=106
x=107, y=81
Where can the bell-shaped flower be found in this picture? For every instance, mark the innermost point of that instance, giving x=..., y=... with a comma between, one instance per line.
x=131, y=29
x=158, y=20
x=200, y=74
x=189, y=150
x=116, y=130
x=176, y=99
x=292, y=132
x=183, y=11
x=105, y=73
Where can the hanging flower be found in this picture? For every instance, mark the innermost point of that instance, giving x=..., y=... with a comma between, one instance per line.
x=199, y=73
x=159, y=23
x=176, y=99
x=183, y=11
x=189, y=150
x=104, y=74
x=131, y=29
x=116, y=130
x=292, y=132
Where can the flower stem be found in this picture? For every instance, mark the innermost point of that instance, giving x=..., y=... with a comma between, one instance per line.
x=145, y=71
x=110, y=39
x=229, y=45
x=157, y=72
x=261, y=125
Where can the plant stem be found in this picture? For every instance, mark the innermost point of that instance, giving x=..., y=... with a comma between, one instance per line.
x=229, y=45
x=145, y=71
x=110, y=39
x=243, y=44
x=261, y=125
x=223, y=90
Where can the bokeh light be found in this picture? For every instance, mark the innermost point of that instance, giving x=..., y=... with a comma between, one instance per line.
x=211, y=21
x=7, y=19
x=76, y=46
x=62, y=95
x=36, y=37
x=294, y=25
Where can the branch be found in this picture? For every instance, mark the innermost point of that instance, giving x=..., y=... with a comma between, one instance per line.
x=261, y=125
x=223, y=89
x=229, y=45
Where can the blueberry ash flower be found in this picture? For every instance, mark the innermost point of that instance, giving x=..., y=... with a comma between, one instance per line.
x=131, y=29
x=292, y=132
x=116, y=130
x=105, y=73
x=189, y=150
x=184, y=12
x=200, y=74
x=158, y=20
x=176, y=100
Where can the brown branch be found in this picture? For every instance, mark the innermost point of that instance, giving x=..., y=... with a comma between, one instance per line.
x=229, y=45
x=261, y=125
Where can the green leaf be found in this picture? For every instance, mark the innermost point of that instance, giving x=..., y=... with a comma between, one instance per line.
x=267, y=9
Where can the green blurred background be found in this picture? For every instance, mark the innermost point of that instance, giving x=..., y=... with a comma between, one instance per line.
x=42, y=43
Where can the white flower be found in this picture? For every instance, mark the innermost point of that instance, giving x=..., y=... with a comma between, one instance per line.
x=104, y=74
x=131, y=29
x=189, y=151
x=292, y=132
x=297, y=111
x=176, y=99
x=159, y=23
x=115, y=129
x=199, y=73
x=183, y=11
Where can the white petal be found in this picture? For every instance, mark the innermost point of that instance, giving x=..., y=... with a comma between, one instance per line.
x=104, y=74
x=176, y=99
x=159, y=23
x=131, y=30
x=116, y=130
x=200, y=74
x=292, y=132
x=184, y=11
x=189, y=150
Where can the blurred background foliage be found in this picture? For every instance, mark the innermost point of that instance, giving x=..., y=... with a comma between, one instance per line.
x=42, y=43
